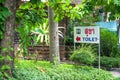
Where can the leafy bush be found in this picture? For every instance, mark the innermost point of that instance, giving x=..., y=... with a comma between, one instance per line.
x=108, y=43
x=84, y=55
x=109, y=62
x=45, y=71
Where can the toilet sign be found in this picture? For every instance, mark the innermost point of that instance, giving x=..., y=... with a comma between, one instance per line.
x=86, y=34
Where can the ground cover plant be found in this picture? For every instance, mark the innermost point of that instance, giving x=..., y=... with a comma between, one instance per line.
x=29, y=70
x=108, y=62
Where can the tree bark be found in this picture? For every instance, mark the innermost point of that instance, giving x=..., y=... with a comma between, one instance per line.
x=105, y=16
x=54, y=39
x=8, y=36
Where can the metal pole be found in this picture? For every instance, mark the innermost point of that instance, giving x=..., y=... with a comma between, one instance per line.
x=99, y=53
x=99, y=57
x=74, y=46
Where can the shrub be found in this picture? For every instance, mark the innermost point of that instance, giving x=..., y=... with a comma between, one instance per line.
x=84, y=55
x=109, y=62
x=108, y=42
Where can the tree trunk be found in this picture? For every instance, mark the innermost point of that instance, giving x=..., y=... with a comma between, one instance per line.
x=8, y=36
x=105, y=16
x=54, y=39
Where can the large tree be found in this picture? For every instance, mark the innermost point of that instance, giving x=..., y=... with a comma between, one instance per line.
x=54, y=39
x=7, y=42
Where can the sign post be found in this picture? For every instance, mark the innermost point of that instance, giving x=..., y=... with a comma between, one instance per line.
x=88, y=34
x=119, y=36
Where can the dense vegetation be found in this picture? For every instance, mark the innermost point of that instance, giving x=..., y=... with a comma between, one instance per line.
x=108, y=62
x=108, y=43
x=29, y=70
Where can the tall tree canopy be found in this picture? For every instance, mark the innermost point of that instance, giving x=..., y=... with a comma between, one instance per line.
x=32, y=14
x=111, y=6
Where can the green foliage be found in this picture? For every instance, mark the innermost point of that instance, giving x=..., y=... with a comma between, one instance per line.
x=117, y=78
x=5, y=58
x=4, y=76
x=29, y=16
x=45, y=71
x=40, y=34
x=5, y=67
x=64, y=9
x=107, y=6
x=4, y=13
x=109, y=62
x=31, y=12
x=108, y=43
x=84, y=55
x=2, y=1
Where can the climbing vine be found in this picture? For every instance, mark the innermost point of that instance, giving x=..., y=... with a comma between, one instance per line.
x=4, y=13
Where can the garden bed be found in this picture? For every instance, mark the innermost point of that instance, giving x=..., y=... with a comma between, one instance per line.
x=29, y=70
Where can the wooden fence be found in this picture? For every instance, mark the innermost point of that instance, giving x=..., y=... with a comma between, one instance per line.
x=42, y=52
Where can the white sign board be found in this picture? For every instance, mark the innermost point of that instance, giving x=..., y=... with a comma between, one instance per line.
x=86, y=34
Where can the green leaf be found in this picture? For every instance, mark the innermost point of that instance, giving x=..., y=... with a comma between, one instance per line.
x=8, y=58
x=70, y=7
x=117, y=15
x=6, y=75
x=109, y=1
x=4, y=67
x=4, y=49
x=1, y=18
x=1, y=34
x=67, y=2
x=5, y=13
x=27, y=29
x=11, y=49
x=2, y=58
x=25, y=6
x=39, y=30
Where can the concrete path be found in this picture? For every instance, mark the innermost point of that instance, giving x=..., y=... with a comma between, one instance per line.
x=115, y=72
